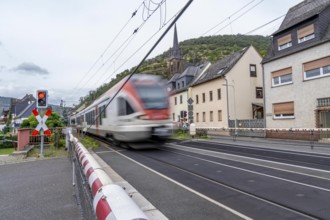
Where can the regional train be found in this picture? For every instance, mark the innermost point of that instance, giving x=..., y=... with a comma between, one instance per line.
x=139, y=113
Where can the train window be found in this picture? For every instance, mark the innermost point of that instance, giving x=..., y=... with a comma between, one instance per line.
x=152, y=96
x=124, y=108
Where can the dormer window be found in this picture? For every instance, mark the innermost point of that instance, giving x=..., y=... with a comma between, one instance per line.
x=306, y=33
x=284, y=42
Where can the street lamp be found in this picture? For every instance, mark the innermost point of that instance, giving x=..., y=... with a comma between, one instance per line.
x=233, y=86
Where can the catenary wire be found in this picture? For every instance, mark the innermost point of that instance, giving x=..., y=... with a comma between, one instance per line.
x=238, y=17
x=228, y=17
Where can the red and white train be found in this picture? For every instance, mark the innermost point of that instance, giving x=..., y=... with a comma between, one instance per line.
x=139, y=112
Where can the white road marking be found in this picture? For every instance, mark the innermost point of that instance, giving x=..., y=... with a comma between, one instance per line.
x=189, y=189
x=262, y=174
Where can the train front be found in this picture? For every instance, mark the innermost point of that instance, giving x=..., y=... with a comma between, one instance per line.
x=154, y=100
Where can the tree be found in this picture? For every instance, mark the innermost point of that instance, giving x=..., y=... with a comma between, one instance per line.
x=54, y=120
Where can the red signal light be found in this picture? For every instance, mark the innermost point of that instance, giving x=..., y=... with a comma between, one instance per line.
x=41, y=95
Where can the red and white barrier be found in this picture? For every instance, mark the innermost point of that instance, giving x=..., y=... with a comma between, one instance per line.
x=110, y=200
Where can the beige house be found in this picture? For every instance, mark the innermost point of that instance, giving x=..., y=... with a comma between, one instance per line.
x=230, y=89
x=179, y=88
x=297, y=69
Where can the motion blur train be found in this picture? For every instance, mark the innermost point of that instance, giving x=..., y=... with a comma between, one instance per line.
x=139, y=113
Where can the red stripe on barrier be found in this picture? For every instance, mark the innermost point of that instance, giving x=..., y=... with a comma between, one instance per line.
x=48, y=133
x=85, y=163
x=81, y=158
x=89, y=172
x=35, y=133
x=49, y=112
x=35, y=112
x=102, y=209
x=96, y=185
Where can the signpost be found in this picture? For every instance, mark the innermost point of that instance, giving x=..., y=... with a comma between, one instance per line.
x=43, y=127
x=190, y=110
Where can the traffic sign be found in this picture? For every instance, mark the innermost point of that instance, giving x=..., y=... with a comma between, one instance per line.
x=190, y=113
x=42, y=122
x=190, y=101
x=190, y=107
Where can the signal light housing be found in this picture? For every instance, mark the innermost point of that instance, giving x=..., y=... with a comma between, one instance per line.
x=42, y=98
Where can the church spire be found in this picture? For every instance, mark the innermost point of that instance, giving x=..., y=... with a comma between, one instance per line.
x=175, y=51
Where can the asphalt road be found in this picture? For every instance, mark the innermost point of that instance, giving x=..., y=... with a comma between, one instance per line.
x=188, y=183
x=37, y=190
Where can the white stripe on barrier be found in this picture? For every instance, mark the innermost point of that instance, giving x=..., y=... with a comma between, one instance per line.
x=110, y=201
x=119, y=202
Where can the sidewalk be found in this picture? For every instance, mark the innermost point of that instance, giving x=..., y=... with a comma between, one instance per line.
x=39, y=189
x=279, y=144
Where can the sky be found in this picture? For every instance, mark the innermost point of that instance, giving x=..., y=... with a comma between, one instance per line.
x=70, y=47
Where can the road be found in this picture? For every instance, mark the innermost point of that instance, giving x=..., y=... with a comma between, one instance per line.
x=210, y=180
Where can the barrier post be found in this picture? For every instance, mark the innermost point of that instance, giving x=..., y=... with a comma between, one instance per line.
x=311, y=132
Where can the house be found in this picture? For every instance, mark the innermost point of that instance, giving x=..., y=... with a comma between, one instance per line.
x=183, y=74
x=297, y=69
x=229, y=89
x=179, y=85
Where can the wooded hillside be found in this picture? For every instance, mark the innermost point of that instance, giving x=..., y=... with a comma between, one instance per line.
x=196, y=50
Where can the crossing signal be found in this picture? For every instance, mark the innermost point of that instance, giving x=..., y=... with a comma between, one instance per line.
x=185, y=114
x=42, y=98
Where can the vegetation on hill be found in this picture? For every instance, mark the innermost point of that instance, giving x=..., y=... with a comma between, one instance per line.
x=211, y=48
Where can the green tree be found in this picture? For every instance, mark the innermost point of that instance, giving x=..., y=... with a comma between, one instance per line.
x=54, y=120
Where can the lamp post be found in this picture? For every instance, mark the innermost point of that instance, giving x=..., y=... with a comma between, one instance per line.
x=233, y=86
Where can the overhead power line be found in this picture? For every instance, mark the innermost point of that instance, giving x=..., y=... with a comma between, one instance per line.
x=239, y=16
x=264, y=25
x=228, y=17
x=108, y=46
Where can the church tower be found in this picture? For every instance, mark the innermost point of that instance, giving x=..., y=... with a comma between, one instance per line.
x=176, y=62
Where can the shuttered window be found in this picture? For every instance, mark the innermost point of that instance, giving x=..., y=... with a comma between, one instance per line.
x=219, y=115
x=317, y=68
x=282, y=77
x=283, y=110
x=306, y=33
x=284, y=42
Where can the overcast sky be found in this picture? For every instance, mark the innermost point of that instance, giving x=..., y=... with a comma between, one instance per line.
x=53, y=44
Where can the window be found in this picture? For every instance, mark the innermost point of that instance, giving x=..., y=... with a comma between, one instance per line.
x=180, y=99
x=203, y=116
x=173, y=116
x=219, y=94
x=203, y=97
x=211, y=115
x=306, y=33
x=259, y=93
x=175, y=101
x=253, y=70
x=182, y=84
x=211, y=96
x=282, y=77
x=197, y=117
x=317, y=68
x=219, y=115
x=178, y=85
x=284, y=42
x=196, y=99
x=124, y=108
x=283, y=110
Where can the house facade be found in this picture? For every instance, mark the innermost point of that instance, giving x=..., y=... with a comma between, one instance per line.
x=230, y=89
x=297, y=69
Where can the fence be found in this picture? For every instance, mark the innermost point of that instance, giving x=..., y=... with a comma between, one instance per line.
x=249, y=123
x=54, y=138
